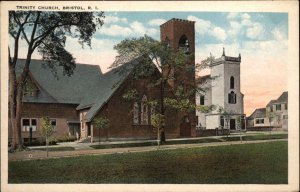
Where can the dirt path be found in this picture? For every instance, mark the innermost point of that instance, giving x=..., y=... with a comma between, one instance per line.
x=29, y=155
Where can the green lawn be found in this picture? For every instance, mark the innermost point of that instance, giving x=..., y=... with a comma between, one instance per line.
x=172, y=142
x=199, y=140
x=262, y=163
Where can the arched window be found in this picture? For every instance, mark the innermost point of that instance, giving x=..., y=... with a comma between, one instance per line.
x=144, y=111
x=202, y=99
x=135, y=113
x=184, y=44
x=167, y=43
x=232, y=97
x=231, y=82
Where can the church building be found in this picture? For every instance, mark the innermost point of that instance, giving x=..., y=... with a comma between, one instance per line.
x=222, y=90
x=72, y=103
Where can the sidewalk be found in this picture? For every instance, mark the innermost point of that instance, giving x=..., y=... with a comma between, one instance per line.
x=29, y=155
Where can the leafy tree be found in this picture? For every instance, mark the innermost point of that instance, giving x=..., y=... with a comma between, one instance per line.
x=148, y=52
x=227, y=116
x=270, y=116
x=238, y=121
x=158, y=121
x=46, y=131
x=101, y=123
x=44, y=33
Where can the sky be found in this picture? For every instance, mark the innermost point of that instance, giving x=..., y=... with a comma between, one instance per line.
x=260, y=37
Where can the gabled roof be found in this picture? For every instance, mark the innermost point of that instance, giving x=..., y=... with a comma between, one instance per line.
x=87, y=87
x=258, y=113
x=270, y=103
x=62, y=89
x=282, y=98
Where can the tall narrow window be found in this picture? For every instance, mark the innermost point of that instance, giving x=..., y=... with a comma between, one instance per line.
x=135, y=113
x=231, y=82
x=222, y=121
x=278, y=107
x=144, y=111
x=202, y=99
x=232, y=98
x=53, y=123
x=167, y=43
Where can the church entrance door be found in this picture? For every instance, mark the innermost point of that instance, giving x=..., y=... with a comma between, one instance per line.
x=232, y=124
x=185, y=127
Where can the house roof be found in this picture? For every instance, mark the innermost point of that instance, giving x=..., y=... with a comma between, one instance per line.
x=270, y=103
x=88, y=87
x=282, y=98
x=60, y=88
x=258, y=113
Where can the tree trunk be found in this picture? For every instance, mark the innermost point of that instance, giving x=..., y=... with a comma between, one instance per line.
x=15, y=101
x=162, y=109
x=47, y=143
x=158, y=138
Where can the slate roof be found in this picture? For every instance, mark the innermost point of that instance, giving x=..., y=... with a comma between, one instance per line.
x=62, y=89
x=88, y=87
x=258, y=113
x=283, y=98
x=271, y=102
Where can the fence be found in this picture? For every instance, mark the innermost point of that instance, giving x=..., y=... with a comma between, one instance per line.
x=211, y=132
x=265, y=128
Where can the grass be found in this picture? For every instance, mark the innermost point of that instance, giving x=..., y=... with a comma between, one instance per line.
x=200, y=140
x=261, y=163
x=54, y=149
x=256, y=137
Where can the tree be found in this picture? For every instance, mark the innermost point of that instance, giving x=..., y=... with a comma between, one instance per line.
x=46, y=131
x=158, y=122
x=270, y=116
x=148, y=52
x=101, y=123
x=239, y=125
x=46, y=33
x=227, y=116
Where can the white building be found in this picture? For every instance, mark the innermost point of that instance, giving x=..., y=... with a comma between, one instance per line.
x=258, y=118
x=222, y=90
x=275, y=114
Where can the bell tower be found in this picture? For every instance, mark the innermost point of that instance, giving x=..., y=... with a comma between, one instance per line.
x=179, y=34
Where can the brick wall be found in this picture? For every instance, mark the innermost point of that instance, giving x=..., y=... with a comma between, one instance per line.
x=120, y=114
x=60, y=112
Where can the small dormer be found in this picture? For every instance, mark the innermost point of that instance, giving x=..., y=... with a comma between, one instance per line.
x=30, y=88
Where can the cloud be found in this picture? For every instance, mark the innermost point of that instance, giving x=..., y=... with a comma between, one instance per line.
x=219, y=33
x=115, y=30
x=254, y=31
x=156, y=22
x=245, y=16
x=114, y=19
x=134, y=29
x=235, y=28
x=232, y=15
x=278, y=34
x=204, y=27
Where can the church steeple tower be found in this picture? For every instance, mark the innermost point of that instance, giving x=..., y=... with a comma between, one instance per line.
x=180, y=34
